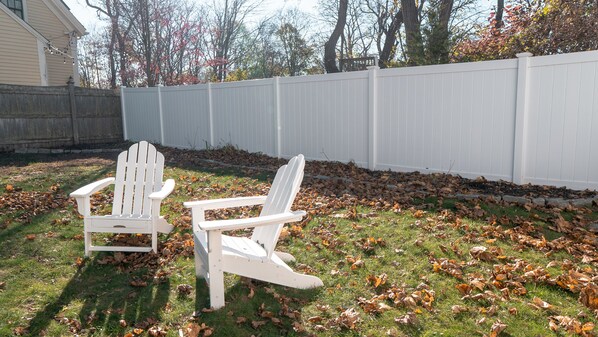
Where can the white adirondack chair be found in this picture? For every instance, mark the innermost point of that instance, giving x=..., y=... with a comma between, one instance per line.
x=138, y=192
x=253, y=257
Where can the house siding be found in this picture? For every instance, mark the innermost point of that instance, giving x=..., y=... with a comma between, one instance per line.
x=19, y=60
x=40, y=17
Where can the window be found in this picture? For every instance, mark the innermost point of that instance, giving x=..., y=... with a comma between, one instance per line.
x=16, y=6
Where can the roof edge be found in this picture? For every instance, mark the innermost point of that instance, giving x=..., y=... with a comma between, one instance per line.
x=65, y=16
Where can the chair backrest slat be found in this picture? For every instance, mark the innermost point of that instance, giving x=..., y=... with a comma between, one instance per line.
x=119, y=183
x=157, y=179
x=138, y=173
x=139, y=185
x=279, y=200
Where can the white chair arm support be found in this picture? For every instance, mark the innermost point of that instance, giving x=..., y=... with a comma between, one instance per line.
x=90, y=189
x=226, y=203
x=225, y=225
x=167, y=188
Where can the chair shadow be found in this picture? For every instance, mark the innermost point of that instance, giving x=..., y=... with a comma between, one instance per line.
x=240, y=301
x=107, y=297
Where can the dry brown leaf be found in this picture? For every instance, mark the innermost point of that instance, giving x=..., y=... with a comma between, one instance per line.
x=589, y=296
x=481, y=253
x=257, y=324
x=457, y=309
x=297, y=327
x=348, y=319
x=184, y=289
x=407, y=319
x=357, y=264
x=463, y=288
x=544, y=305
x=497, y=328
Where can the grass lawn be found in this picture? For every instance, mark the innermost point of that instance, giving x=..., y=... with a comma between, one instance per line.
x=408, y=261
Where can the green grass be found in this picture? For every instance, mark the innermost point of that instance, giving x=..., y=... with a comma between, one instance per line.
x=47, y=288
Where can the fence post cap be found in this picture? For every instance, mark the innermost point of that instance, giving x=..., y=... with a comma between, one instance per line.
x=526, y=54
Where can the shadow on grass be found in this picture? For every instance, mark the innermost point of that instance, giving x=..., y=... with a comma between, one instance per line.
x=105, y=296
x=253, y=306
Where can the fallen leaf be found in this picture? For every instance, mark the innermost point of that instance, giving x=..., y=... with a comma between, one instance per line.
x=257, y=324
x=407, y=319
x=497, y=328
x=544, y=305
x=184, y=289
x=457, y=309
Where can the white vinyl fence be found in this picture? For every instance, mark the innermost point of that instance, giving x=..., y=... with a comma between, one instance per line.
x=526, y=120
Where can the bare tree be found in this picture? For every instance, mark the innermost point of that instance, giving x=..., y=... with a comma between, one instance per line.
x=225, y=20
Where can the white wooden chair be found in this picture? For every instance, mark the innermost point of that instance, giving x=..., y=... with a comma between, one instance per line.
x=138, y=192
x=253, y=257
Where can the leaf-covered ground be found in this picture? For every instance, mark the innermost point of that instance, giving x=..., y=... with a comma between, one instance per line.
x=398, y=256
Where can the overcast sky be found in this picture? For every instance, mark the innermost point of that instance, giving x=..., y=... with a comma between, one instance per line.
x=89, y=19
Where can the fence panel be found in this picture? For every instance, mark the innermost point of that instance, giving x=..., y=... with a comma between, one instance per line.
x=244, y=115
x=142, y=114
x=456, y=118
x=325, y=117
x=562, y=137
x=32, y=116
x=447, y=119
x=185, y=113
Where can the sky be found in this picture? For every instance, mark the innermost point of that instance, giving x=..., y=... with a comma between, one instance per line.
x=88, y=17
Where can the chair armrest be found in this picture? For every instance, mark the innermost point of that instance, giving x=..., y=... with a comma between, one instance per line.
x=225, y=225
x=167, y=188
x=226, y=203
x=90, y=189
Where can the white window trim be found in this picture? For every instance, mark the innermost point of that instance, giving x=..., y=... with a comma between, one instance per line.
x=25, y=11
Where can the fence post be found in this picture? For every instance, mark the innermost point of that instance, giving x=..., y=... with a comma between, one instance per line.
x=210, y=115
x=123, y=111
x=74, y=123
x=519, y=149
x=161, y=113
x=372, y=116
x=278, y=127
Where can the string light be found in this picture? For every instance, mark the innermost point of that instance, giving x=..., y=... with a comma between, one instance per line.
x=62, y=52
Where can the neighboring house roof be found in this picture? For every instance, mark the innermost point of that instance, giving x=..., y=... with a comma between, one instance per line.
x=62, y=12
x=25, y=25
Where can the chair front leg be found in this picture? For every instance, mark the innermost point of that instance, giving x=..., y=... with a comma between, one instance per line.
x=86, y=238
x=216, y=275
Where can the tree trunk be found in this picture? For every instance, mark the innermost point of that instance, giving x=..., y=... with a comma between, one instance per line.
x=415, y=49
x=330, y=45
x=446, y=8
x=500, y=7
x=388, y=51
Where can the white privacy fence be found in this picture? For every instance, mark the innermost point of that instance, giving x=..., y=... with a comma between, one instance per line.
x=531, y=119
